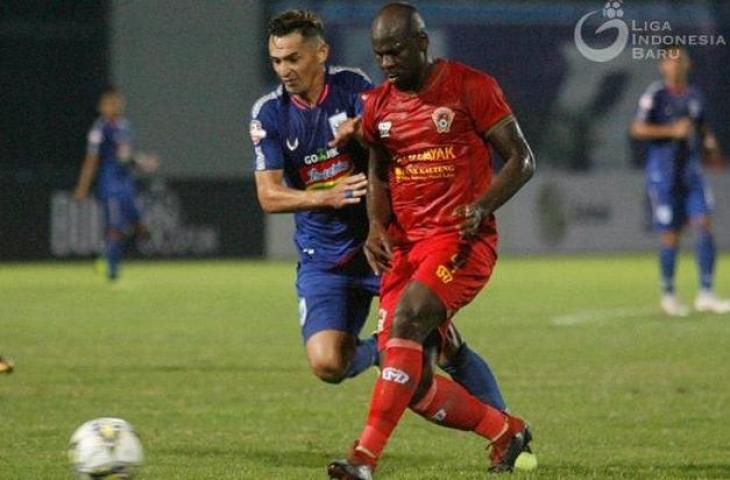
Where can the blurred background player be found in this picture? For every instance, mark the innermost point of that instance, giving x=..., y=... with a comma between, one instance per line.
x=110, y=161
x=671, y=116
x=431, y=203
x=300, y=169
x=6, y=365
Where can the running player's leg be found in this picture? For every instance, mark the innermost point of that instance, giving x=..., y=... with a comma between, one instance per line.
x=667, y=218
x=114, y=235
x=470, y=370
x=405, y=381
x=699, y=206
x=330, y=322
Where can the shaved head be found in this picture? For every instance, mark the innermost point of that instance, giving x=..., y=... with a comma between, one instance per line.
x=400, y=44
x=398, y=19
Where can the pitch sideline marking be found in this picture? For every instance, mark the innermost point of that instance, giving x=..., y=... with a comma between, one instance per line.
x=595, y=316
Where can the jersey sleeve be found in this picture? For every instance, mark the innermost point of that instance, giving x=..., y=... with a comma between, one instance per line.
x=266, y=140
x=361, y=83
x=647, y=105
x=486, y=103
x=94, y=138
x=368, y=117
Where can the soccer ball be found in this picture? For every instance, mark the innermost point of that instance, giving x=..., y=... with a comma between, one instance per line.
x=105, y=448
x=613, y=9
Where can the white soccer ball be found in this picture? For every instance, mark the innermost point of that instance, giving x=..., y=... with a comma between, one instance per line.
x=105, y=448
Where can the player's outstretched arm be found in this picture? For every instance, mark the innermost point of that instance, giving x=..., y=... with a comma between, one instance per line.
x=518, y=168
x=86, y=177
x=380, y=213
x=275, y=197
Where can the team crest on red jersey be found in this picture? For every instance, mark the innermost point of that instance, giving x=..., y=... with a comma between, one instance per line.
x=442, y=118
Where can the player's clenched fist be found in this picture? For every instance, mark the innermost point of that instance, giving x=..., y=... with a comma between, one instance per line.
x=472, y=220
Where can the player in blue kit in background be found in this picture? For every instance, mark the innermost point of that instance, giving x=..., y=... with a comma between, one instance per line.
x=299, y=170
x=671, y=116
x=110, y=161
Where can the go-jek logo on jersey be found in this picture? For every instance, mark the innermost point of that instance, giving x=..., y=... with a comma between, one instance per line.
x=613, y=13
x=391, y=374
x=321, y=155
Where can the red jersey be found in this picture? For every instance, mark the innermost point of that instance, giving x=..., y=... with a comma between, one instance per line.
x=436, y=139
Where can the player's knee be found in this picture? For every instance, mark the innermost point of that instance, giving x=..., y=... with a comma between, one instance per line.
x=670, y=239
x=329, y=368
x=703, y=225
x=114, y=234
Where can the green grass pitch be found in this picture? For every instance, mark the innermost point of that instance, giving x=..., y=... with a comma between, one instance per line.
x=205, y=359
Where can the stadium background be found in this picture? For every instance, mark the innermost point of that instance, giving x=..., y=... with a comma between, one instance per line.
x=191, y=70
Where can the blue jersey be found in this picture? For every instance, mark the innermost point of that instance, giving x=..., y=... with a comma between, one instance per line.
x=112, y=141
x=291, y=136
x=669, y=159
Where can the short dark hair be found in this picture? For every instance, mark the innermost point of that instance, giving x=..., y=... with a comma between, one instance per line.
x=109, y=91
x=305, y=22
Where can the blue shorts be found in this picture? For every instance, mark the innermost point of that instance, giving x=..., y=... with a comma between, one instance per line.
x=120, y=212
x=673, y=203
x=335, y=299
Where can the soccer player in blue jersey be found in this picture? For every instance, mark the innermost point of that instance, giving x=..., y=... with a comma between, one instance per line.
x=110, y=161
x=671, y=116
x=298, y=169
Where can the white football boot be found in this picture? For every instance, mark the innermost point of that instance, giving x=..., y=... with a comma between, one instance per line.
x=672, y=306
x=707, y=301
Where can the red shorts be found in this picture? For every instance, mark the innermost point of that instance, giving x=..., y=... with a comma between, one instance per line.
x=455, y=271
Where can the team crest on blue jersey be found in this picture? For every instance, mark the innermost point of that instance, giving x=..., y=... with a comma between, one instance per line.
x=337, y=120
x=443, y=117
x=257, y=132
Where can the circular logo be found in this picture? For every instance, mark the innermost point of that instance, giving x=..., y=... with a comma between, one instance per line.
x=614, y=12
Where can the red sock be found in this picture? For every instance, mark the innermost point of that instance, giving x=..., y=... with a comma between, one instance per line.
x=449, y=404
x=401, y=373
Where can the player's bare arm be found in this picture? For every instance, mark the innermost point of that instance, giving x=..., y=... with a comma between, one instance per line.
x=275, y=197
x=378, y=244
x=678, y=130
x=519, y=166
x=86, y=177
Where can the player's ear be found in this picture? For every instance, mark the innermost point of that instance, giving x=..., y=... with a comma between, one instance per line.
x=323, y=51
x=423, y=41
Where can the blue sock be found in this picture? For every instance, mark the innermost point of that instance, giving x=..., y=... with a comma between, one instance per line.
x=113, y=254
x=667, y=262
x=705, y=253
x=366, y=355
x=472, y=372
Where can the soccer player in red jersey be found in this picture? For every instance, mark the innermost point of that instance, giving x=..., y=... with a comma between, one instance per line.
x=431, y=201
